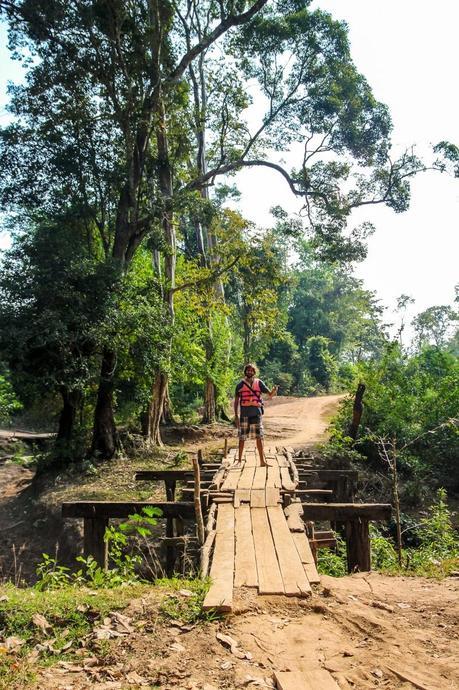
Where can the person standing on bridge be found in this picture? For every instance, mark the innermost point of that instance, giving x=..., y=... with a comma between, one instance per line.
x=248, y=398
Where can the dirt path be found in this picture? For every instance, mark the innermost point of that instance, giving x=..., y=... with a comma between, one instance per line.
x=299, y=421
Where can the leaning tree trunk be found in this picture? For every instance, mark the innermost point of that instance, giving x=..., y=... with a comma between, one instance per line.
x=71, y=401
x=105, y=441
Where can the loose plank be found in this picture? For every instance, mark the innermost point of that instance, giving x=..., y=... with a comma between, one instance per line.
x=250, y=458
x=293, y=514
x=293, y=575
x=258, y=498
x=312, y=679
x=287, y=482
x=246, y=478
x=241, y=496
x=272, y=496
x=259, y=480
x=273, y=477
x=269, y=576
x=245, y=572
x=304, y=551
x=232, y=479
x=282, y=460
x=220, y=594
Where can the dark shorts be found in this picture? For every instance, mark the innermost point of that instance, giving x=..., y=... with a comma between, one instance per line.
x=250, y=427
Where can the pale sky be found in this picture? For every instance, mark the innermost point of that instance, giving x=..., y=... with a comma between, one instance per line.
x=407, y=49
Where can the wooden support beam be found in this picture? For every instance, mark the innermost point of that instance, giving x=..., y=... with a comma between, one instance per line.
x=156, y=475
x=358, y=546
x=94, y=543
x=122, y=509
x=341, y=512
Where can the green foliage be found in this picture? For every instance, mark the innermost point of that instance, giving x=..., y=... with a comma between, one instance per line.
x=414, y=399
x=321, y=364
x=436, y=556
x=333, y=561
x=9, y=404
x=124, y=567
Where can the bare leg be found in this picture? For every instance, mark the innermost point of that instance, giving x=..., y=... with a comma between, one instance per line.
x=261, y=452
x=241, y=449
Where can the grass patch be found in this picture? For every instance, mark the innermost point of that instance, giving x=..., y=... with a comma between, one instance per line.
x=39, y=628
x=184, y=602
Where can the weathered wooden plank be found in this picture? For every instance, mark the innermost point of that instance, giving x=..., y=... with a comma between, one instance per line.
x=258, y=498
x=272, y=496
x=122, y=509
x=259, y=480
x=341, y=512
x=232, y=479
x=241, y=496
x=293, y=575
x=287, y=482
x=246, y=478
x=311, y=679
x=245, y=571
x=220, y=594
x=304, y=551
x=250, y=458
x=269, y=576
x=293, y=513
x=274, y=477
x=282, y=460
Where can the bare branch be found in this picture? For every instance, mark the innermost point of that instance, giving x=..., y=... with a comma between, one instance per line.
x=220, y=29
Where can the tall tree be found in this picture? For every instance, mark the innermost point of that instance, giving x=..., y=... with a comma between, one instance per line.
x=103, y=70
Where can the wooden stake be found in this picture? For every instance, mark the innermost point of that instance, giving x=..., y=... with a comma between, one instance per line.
x=197, y=499
x=225, y=448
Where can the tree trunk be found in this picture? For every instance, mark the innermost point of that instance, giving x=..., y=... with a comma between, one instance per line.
x=71, y=404
x=105, y=441
x=210, y=408
x=155, y=412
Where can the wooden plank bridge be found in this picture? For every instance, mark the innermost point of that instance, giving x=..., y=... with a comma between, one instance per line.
x=260, y=530
x=254, y=546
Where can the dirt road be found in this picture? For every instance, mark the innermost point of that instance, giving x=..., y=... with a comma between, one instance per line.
x=299, y=421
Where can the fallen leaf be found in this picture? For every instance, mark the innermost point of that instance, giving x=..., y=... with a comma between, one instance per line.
x=226, y=665
x=122, y=621
x=4, y=597
x=232, y=644
x=12, y=644
x=177, y=647
x=133, y=678
x=402, y=605
x=378, y=673
x=185, y=592
x=41, y=622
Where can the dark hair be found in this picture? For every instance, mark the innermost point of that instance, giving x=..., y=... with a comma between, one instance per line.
x=252, y=366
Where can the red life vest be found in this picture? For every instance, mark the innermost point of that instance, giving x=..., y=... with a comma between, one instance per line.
x=247, y=397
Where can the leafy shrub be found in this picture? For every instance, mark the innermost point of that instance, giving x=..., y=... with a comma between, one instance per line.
x=125, y=566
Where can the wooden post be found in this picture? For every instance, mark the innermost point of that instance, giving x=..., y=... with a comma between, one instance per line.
x=358, y=545
x=357, y=411
x=225, y=448
x=170, y=547
x=200, y=459
x=94, y=542
x=171, y=485
x=197, y=499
